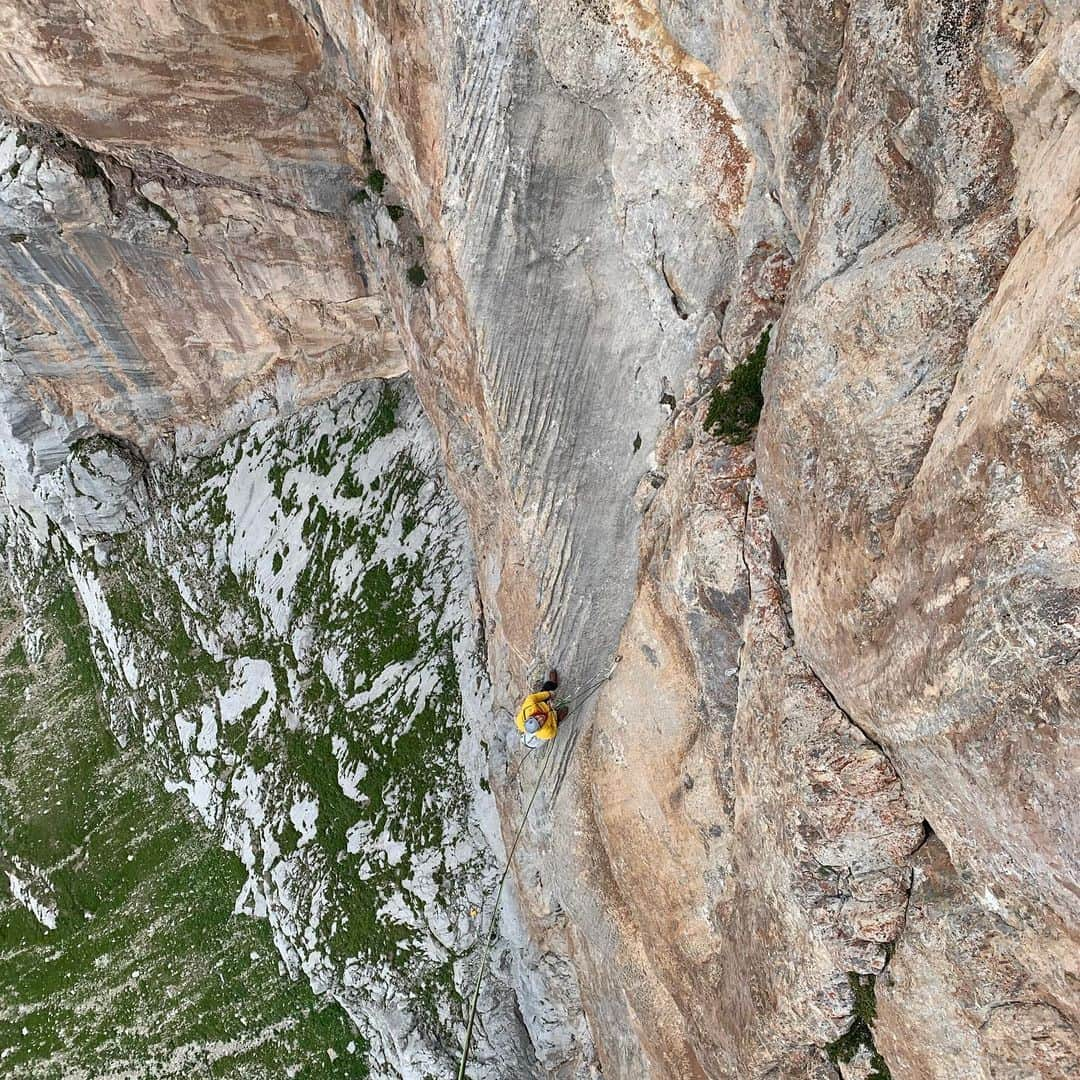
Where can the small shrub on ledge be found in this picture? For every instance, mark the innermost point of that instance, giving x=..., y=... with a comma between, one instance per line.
x=735, y=407
x=416, y=275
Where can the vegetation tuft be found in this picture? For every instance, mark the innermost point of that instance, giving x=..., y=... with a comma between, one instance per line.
x=370, y=594
x=416, y=275
x=376, y=181
x=734, y=409
x=860, y=1034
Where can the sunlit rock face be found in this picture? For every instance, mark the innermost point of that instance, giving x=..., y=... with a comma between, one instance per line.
x=920, y=454
x=569, y=222
x=174, y=193
x=955, y=989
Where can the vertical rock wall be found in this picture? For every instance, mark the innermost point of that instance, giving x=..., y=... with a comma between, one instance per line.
x=889, y=163
x=576, y=217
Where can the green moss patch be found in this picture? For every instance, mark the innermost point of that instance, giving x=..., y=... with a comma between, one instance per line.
x=860, y=1034
x=735, y=407
x=148, y=972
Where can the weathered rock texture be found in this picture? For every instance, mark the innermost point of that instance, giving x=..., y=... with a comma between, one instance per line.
x=607, y=203
x=174, y=186
x=956, y=1001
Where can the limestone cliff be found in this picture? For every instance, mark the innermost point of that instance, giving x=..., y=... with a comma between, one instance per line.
x=840, y=746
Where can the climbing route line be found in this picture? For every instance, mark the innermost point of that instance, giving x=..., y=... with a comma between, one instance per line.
x=484, y=956
x=574, y=702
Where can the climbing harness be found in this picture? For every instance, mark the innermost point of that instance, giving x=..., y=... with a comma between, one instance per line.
x=574, y=701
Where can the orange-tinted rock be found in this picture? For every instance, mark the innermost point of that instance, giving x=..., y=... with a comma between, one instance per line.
x=608, y=203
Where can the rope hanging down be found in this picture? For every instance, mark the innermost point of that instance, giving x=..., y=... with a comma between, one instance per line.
x=576, y=701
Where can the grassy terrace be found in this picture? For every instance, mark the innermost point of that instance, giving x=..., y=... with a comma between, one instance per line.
x=242, y=638
x=147, y=971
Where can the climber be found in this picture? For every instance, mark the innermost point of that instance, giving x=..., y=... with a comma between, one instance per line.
x=538, y=719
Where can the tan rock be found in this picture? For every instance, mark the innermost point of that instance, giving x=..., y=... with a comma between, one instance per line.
x=172, y=310
x=232, y=92
x=609, y=202
x=957, y=1000
x=918, y=471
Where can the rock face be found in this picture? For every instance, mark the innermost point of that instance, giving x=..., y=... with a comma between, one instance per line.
x=570, y=221
x=941, y=581
x=956, y=1001
x=141, y=296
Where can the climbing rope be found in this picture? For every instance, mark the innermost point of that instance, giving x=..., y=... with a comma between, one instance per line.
x=587, y=691
x=548, y=757
x=575, y=701
x=517, y=768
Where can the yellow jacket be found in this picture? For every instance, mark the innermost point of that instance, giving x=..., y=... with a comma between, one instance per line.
x=539, y=705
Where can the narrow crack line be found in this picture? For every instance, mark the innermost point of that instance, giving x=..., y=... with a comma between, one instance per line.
x=239, y=281
x=742, y=547
x=481, y=624
x=819, y=181
x=854, y=723
x=676, y=302
x=20, y=338
x=928, y=835
x=927, y=828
